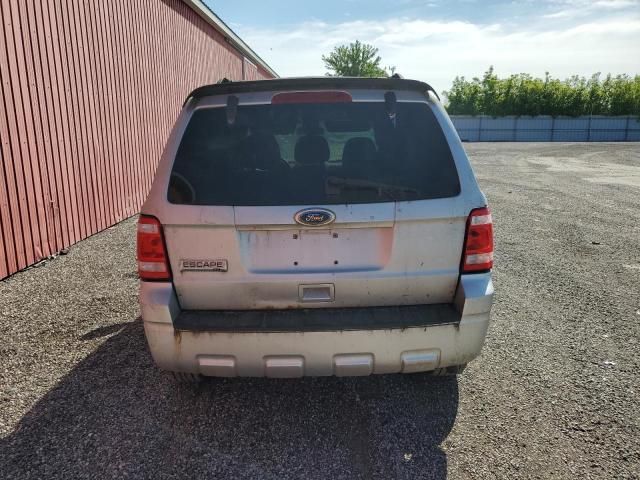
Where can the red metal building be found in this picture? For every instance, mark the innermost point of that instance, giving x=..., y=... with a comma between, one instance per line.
x=90, y=90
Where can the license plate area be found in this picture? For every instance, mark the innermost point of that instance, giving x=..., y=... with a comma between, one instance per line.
x=315, y=251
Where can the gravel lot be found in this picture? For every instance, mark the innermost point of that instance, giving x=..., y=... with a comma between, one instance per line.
x=554, y=394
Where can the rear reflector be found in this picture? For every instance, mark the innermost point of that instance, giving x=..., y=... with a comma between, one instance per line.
x=152, y=256
x=311, y=97
x=478, y=244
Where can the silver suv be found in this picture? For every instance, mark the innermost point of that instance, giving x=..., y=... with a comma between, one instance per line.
x=314, y=226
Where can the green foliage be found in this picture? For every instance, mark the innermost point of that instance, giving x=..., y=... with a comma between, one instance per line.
x=524, y=95
x=354, y=60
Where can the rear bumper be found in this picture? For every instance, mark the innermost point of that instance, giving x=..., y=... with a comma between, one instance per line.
x=317, y=353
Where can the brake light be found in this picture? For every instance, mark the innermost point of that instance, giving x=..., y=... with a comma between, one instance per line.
x=478, y=244
x=153, y=263
x=311, y=97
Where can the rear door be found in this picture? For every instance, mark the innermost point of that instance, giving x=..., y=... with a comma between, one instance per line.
x=315, y=200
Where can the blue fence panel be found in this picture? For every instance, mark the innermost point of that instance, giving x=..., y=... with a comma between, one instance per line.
x=547, y=129
x=568, y=129
x=633, y=132
x=500, y=129
x=468, y=127
x=608, y=129
x=534, y=129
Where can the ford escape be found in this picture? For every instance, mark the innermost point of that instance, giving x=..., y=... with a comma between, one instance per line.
x=314, y=226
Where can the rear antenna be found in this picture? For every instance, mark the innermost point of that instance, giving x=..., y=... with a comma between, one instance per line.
x=223, y=80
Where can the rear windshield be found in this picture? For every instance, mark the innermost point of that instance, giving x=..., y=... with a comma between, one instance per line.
x=301, y=154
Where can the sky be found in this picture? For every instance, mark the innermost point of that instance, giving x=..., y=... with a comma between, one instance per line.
x=437, y=40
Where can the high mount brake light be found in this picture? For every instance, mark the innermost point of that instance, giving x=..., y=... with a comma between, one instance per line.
x=153, y=263
x=478, y=243
x=332, y=96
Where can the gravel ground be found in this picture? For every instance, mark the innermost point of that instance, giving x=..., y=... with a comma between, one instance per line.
x=554, y=394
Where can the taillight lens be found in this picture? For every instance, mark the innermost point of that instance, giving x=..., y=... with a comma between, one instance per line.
x=152, y=255
x=331, y=96
x=478, y=244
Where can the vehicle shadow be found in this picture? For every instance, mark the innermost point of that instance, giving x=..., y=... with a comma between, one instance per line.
x=116, y=415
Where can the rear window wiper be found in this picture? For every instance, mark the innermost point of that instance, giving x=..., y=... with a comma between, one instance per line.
x=383, y=189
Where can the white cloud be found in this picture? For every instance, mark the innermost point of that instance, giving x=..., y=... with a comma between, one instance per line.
x=437, y=51
x=584, y=8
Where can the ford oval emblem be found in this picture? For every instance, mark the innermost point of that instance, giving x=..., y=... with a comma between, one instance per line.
x=315, y=217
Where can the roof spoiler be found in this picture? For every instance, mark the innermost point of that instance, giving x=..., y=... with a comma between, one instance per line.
x=227, y=87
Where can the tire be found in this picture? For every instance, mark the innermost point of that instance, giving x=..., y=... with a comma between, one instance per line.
x=188, y=378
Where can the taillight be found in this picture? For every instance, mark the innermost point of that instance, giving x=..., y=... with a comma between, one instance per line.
x=478, y=243
x=153, y=263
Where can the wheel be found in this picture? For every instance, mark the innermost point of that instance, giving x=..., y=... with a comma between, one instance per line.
x=447, y=371
x=183, y=377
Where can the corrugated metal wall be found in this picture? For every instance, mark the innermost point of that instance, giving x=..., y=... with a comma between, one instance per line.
x=547, y=129
x=90, y=90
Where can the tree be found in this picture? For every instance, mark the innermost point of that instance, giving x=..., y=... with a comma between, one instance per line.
x=522, y=94
x=354, y=60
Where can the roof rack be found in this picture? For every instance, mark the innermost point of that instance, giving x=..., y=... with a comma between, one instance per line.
x=309, y=83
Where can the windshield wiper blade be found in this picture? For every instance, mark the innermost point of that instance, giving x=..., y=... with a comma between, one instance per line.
x=381, y=188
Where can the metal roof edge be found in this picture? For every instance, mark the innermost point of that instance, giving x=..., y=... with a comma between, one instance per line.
x=216, y=22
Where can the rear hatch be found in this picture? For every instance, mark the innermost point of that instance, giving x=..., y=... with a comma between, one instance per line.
x=314, y=199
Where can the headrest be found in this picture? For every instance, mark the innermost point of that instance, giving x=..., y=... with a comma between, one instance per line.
x=267, y=145
x=311, y=150
x=261, y=150
x=358, y=151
